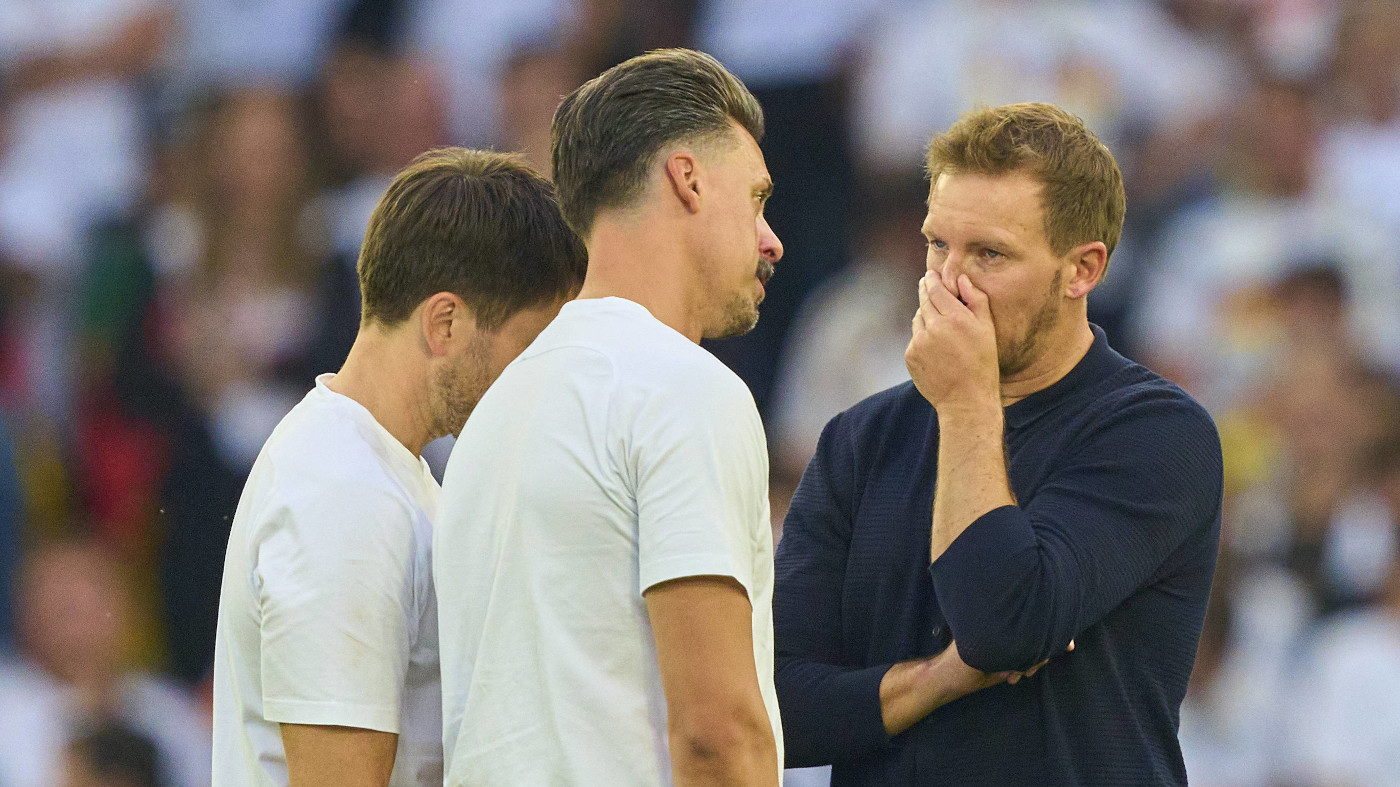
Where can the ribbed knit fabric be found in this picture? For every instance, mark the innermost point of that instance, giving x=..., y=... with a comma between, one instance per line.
x=1117, y=475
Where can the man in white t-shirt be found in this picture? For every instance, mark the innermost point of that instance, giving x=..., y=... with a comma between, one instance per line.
x=326, y=665
x=603, y=555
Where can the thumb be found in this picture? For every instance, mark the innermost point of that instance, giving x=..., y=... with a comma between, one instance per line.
x=975, y=299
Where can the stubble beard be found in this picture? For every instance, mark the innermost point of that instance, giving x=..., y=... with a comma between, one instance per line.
x=741, y=312
x=1019, y=354
x=459, y=387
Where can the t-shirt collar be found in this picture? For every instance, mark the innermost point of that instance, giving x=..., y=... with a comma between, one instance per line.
x=1097, y=363
x=391, y=443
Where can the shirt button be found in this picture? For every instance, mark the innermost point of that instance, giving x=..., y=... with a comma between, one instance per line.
x=937, y=631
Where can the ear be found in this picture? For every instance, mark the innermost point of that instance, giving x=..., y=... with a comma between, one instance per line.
x=445, y=322
x=1087, y=264
x=683, y=176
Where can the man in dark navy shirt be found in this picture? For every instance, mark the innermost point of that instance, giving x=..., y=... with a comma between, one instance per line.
x=1028, y=489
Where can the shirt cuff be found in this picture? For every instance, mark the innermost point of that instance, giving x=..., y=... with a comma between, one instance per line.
x=981, y=549
x=337, y=714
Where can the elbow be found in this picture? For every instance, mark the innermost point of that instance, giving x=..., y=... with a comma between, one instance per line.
x=733, y=746
x=1000, y=649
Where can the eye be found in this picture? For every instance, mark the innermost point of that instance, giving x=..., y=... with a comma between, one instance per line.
x=992, y=254
x=937, y=244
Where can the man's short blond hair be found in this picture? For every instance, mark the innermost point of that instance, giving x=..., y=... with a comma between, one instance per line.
x=1083, y=197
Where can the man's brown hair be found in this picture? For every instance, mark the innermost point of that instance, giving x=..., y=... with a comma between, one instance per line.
x=1082, y=199
x=606, y=134
x=480, y=225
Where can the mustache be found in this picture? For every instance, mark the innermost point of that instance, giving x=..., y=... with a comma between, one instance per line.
x=765, y=271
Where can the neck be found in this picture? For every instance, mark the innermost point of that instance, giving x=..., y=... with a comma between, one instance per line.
x=1062, y=353
x=642, y=258
x=387, y=378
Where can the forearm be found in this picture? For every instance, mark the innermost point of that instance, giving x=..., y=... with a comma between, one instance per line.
x=909, y=692
x=912, y=690
x=971, y=469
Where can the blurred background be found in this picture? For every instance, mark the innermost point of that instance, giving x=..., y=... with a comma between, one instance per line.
x=184, y=185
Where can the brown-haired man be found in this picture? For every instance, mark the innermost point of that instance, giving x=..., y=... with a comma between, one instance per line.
x=604, y=555
x=1028, y=488
x=326, y=667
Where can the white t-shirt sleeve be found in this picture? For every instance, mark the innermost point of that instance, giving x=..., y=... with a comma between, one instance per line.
x=701, y=472
x=335, y=591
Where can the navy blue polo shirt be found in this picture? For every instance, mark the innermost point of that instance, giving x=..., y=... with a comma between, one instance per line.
x=1118, y=482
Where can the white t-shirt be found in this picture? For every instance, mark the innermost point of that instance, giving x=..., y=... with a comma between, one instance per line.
x=327, y=614
x=612, y=455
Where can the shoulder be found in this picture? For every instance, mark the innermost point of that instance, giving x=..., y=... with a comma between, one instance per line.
x=1141, y=421
x=325, y=477
x=1136, y=397
x=667, y=371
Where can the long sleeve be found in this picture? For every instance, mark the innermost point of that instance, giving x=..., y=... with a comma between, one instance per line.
x=830, y=712
x=1020, y=582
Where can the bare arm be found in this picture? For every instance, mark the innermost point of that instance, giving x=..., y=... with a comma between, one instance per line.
x=912, y=690
x=718, y=726
x=324, y=756
x=971, y=470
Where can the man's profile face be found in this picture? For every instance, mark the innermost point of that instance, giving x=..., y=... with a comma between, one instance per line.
x=463, y=379
x=741, y=249
x=991, y=227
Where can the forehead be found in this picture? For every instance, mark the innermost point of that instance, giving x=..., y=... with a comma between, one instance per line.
x=1009, y=203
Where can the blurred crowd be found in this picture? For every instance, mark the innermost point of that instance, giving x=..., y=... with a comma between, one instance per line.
x=184, y=185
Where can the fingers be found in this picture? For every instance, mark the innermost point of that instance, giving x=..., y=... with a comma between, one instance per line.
x=975, y=299
x=938, y=298
x=1036, y=668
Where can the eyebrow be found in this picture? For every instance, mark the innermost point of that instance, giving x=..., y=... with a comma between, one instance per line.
x=978, y=242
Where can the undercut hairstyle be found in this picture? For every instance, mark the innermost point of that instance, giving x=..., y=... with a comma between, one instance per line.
x=606, y=134
x=1083, y=198
x=480, y=225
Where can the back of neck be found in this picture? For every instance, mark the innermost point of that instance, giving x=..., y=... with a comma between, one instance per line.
x=648, y=266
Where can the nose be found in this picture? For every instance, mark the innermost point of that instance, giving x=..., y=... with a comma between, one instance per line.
x=949, y=269
x=768, y=244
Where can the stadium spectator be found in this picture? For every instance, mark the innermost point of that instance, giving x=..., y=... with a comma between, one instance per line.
x=465, y=46
x=1214, y=264
x=225, y=46
x=1345, y=726
x=74, y=153
x=111, y=756
x=238, y=328
x=72, y=614
x=1360, y=148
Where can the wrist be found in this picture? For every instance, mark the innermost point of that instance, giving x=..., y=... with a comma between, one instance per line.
x=974, y=409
